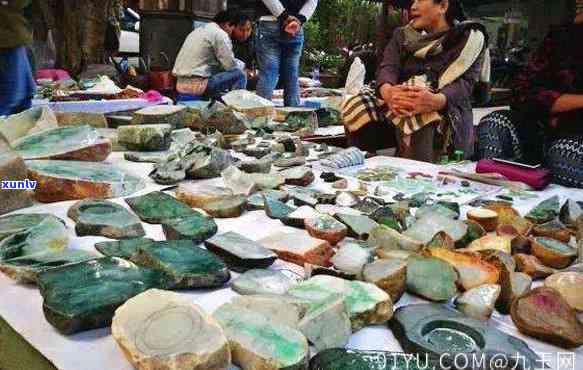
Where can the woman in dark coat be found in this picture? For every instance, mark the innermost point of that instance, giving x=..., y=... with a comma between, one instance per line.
x=424, y=86
x=545, y=124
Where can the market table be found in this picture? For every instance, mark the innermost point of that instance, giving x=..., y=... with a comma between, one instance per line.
x=28, y=341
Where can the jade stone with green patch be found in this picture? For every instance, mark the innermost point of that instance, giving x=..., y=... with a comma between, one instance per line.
x=266, y=344
x=260, y=281
x=276, y=209
x=431, y=278
x=350, y=359
x=188, y=266
x=545, y=211
x=67, y=180
x=240, y=253
x=16, y=223
x=145, y=137
x=358, y=226
x=49, y=236
x=436, y=330
x=25, y=269
x=104, y=218
x=85, y=295
x=75, y=142
x=229, y=207
x=197, y=228
x=122, y=248
x=158, y=207
x=255, y=201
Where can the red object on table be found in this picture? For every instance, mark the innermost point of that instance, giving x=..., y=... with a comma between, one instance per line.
x=536, y=178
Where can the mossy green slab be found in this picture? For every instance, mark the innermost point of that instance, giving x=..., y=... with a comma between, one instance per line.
x=436, y=330
x=240, y=253
x=276, y=209
x=48, y=236
x=431, y=278
x=66, y=180
x=122, y=248
x=157, y=207
x=267, y=344
x=61, y=142
x=187, y=265
x=25, y=269
x=85, y=295
x=16, y=223
x=105, y=218
x=350, y=359
x=145, y=137
x=197, y=228
x=545, y=211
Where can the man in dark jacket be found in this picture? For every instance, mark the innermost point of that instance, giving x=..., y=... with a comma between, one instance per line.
x=16, y=82
x=280, y=41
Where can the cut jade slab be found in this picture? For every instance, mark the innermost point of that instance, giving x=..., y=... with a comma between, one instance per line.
x=85, y=295
x=157, y=207
x=80, y=143
x=239, y=252
x=105, y=218
x=67, y=180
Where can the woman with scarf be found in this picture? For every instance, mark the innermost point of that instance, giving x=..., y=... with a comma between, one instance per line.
x=424, y=86
x=545, y=125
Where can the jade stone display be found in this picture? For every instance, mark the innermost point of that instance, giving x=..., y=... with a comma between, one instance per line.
x=240, y=253
x=16, y=223
x=350, y=359
x=157, y=207
x=122, y=248
x=104, y=218
x=80, y=143
x=436, y=330
x=188, y=266
x=260, y=281
x=85, y=295
x=68, y=180
x=197, y=228
x=145, y=138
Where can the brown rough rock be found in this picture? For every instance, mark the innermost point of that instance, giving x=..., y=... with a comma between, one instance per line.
x=299, y=248
x=544, y=314
x=485, y=217
x=388, y=274
x=532, y=266
x=12, y=168
x=552, y=252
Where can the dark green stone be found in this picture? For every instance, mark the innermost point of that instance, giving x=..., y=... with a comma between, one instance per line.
x=240, y=253
x=187, y=265
x=157, y=207
x=545, y=211
x=16, y=223
x=358, y=226
x=197, y=228
x=105, y=218
x=419, y=200
x=122, y=248
x=349, y=359
x=85, y=295
x=276, y=209
x=475, y=232
x=436, y=330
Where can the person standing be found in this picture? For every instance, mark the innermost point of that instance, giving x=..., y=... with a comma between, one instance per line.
x=17, y=85
x=280, y=42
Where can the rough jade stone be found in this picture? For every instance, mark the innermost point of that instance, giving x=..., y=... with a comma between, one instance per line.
x=96, y=120
x=157, y=207
x=188, y=266
x=299, y=248
x=554, y=229
x=50, y=235
x=230, y=207
x=159, y=329
x=433, y=222
x=198, y=195
x=16, y=223
x=283, y=310
x=350, y=359
x=276, y=209
x=532, y=266
x=569, y=285
x=431, y=278
x=85, y=295
x=358, y=226
x=25, y=269
x=257, y=166
x=266, y=181
x=240, y=253
x=67, y=180
x=197, y=228
x=147, y=157
x=260, y=281
x=12, y=168
x=145, y=137
x=30, y=121
x=104, y=218
x=259, y=343
x=327, y=228
x=384, y=238
x=122, y=248
x=290, y=162
x=545, y=211
x=255, y=201
x=435, y=330
x=570, y=212
x=553, y=253
x=173, y=115
x=299, y=176
x=238, y=181
x=366, y=303
x=80, y=143
x=299, y=216
x=388, y=274
x=479, y=302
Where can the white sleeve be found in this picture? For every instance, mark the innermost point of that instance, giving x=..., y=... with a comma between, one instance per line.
x=309, y=8
x=274, y=6
x=224, y=51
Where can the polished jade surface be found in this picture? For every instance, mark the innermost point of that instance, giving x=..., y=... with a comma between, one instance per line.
x=49, y=143
x=157, y=207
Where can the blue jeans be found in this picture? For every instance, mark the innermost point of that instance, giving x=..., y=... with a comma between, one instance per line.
x=233, y=79
x=278, y=55
x=16, y=83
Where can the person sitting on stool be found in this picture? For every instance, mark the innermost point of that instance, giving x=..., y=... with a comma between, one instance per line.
x=206, y=64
